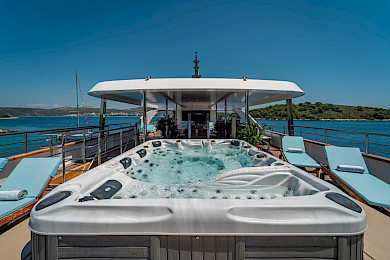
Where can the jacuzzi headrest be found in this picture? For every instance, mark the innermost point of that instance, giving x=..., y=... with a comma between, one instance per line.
x=141, y=153
x=156, y=143
x=126, y=162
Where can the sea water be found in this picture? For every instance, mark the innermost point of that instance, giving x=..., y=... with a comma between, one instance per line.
x=42, y=123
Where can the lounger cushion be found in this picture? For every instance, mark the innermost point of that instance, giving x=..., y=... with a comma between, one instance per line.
x=7, y=207
x=3, y=161
x=344, y=156
x=301, y=159
x=32, y=174
x=350, y=168
x=293, y=142
x=294, y=151
x=373, y=190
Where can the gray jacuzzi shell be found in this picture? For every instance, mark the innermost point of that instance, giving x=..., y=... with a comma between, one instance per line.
x=307, y=213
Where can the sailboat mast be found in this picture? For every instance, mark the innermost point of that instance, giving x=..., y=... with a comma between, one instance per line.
x=77, y=97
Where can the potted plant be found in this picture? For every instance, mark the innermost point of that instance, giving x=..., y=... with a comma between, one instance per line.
x=162, y=125
x=254, y=135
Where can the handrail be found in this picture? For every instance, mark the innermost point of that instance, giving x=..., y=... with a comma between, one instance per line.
x=16, y=143
x=362, y=143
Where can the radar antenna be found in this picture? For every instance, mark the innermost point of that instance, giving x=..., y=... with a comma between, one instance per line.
x=196, y=61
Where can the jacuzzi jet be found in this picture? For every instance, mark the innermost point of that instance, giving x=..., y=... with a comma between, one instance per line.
x=238, y=198
x=253, y=191
x=146, y=161
x=218, y=191
x=180, y=190
x=139, y=171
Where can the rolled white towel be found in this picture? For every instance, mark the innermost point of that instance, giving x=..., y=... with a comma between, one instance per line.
x=295, y=150
x=13, y=194
x=350, y=168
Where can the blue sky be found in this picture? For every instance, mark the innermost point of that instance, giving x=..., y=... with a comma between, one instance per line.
x=336, y=51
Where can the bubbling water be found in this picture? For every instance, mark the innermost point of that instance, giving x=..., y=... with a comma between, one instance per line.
x=189, y=165
x=199, y=190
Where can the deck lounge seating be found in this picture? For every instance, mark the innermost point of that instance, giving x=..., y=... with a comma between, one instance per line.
x=3, y=161
x=33, y=175
x=294, y=152
x=356, y=180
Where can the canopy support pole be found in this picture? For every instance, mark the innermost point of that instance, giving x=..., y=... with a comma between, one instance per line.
x=189, y=125
x=246, y=108
x=166, y=118
x=176, y=113
x=144, y=119
x=166, y=108
x=103, y=110
x=289, y=117
x=225, y=117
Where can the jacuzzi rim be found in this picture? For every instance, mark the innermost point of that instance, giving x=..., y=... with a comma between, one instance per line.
x=334, y=234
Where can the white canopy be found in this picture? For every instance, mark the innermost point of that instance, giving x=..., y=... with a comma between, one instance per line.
x=196, y=93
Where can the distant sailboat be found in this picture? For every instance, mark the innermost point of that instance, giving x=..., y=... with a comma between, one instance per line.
x=78, y=88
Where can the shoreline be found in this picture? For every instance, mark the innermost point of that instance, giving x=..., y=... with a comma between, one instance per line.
x=12, y=117
x=344, y=119
x=2, y=131
x=362, y=120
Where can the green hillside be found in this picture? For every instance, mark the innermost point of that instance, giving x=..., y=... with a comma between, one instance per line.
x=62, y=111
x=304, y=111
x=320, y=111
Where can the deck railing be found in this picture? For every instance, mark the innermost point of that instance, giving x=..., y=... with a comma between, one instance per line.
x=369, y=143
x=74, y=145
x=23, y=142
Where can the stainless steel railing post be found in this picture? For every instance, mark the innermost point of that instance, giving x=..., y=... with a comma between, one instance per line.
x=326, y=136
x=135, y=136
x=25, y=142
x=367, y=143
x=83, y=149
x=121, y=140
x=106, y=134
x=99, y=149
x=51, y=145
x=63, y=158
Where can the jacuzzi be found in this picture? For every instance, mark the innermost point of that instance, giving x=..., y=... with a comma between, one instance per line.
x=246, y=204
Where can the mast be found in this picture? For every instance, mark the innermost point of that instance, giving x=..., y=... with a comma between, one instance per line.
x=77, y=97
x=196, y=61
